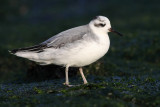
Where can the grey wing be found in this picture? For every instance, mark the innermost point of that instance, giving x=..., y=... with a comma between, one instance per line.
x=58, y=40
x=66, y=37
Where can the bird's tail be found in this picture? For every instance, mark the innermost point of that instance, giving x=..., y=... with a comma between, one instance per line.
x=14, y=51
x=23, y=52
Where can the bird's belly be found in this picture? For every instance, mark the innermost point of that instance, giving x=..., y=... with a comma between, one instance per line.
x=88, y=55
x=81, y=54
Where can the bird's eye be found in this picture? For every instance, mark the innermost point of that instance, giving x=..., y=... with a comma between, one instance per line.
x=100, y=25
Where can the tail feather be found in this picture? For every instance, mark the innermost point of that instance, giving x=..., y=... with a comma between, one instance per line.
x=36, y=48
x=14, y=51
x=30, y=53
x=24, y=53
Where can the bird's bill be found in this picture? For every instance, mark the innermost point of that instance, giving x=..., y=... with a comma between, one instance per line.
x=112, y=30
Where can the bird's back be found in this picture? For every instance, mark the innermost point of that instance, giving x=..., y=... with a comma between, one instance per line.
x=56, y=42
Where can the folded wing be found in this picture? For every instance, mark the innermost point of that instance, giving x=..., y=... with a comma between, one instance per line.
x=57, y=41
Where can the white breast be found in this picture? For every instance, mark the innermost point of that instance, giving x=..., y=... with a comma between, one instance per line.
x=91, y=52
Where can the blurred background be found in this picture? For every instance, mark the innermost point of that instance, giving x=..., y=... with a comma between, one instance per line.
x=25, y=23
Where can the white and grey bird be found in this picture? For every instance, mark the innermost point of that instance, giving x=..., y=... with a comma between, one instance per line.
x=76, y=47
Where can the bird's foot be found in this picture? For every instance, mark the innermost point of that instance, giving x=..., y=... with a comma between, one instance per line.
x=85, y=83
x=74, y=85
x=71, y=85
x=67, y=84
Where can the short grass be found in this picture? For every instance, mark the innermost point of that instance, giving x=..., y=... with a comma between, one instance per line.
x=128, y=75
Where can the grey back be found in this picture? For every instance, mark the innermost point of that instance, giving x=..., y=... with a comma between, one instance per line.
x=67, y=36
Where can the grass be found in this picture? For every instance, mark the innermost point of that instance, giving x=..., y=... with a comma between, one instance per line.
x=128, y=75
x=113, y=91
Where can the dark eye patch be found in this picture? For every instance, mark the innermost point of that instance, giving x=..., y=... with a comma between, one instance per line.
x=99, y=25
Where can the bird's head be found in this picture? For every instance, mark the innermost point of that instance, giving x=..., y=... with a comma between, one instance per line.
x=102, y=24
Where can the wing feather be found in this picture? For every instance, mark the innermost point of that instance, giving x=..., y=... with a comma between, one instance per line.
x=58, y=40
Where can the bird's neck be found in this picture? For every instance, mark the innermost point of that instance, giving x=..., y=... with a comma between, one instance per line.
x=102, y=38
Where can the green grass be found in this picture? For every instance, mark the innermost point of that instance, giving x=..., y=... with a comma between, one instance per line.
x=128, y=75
x=111, y=91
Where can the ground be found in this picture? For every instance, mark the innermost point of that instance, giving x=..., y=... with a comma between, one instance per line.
x=128, y=75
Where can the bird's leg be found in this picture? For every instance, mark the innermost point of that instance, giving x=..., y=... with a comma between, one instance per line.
x=84, y=79
x=66, y=72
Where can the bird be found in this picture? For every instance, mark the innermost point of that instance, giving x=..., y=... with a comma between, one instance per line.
x=76, y=47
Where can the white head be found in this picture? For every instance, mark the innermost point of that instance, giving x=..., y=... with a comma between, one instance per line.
x=101, y=24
